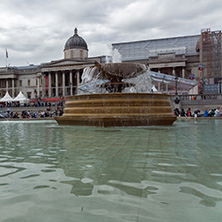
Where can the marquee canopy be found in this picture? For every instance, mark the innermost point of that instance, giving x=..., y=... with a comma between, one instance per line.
x=20, y=98
x=6, y=98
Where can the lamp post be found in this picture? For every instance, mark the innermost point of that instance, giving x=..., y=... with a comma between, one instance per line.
x=176, y=80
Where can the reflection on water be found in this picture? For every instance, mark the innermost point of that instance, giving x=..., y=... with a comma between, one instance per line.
x=56, y=173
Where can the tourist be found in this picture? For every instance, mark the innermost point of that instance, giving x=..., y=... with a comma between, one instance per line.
x=205, y=113
x=211, y=113
x=217, y=112
x=195, y=114
x=189, y=112
x=182, y=113
x=176, y=101
x=42, y=114
x=176, y=112
x=16, y=115
x=11, y=115
x=24, y=114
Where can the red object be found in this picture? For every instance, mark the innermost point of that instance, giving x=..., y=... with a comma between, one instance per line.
x=46, y=100
x=188, y=113
x=51, y=100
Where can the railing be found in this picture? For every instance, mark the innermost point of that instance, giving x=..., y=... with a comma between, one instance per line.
x=200, y=97
x=197, y=100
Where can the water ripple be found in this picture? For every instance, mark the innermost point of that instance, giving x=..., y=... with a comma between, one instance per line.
x=54, y=173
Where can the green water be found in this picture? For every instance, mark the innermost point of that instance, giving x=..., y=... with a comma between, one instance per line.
x=164, y=174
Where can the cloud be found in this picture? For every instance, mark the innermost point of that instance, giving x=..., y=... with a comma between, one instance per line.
x=36, y=31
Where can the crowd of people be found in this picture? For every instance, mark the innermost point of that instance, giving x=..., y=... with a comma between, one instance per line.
x=197, y=113
x=35, y=113
x=37, y=108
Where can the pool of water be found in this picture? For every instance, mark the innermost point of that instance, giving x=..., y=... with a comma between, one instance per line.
x=164, y=174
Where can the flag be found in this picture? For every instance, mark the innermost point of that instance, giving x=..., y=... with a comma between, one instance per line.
x=200, y=67
x=6, y=53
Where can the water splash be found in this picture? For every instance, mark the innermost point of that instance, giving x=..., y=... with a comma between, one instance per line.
x=116, y=77
x=88, y=74
x=116, y=56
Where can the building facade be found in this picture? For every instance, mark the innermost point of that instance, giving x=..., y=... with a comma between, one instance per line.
x=197, y=56
x=54, y=79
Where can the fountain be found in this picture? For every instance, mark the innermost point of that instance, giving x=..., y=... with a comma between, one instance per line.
x=112, y=94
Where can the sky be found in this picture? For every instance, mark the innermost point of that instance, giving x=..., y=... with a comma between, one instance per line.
x=35, y=32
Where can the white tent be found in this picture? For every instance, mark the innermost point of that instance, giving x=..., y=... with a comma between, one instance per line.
x=20, y=98
x=6, y=98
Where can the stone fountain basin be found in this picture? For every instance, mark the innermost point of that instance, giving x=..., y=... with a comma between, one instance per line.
x=117, y=109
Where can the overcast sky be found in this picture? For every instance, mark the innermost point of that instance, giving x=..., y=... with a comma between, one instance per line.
x=35, y=32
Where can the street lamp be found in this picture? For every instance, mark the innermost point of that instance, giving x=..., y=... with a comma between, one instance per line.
x=176, y=80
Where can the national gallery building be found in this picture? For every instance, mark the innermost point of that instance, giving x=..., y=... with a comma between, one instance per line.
x=54, y=79
x=176, y=56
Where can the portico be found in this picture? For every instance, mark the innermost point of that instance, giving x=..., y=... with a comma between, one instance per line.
x=61, y=78
x=7, y=81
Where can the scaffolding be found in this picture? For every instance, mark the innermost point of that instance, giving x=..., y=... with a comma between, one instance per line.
x=205, y=53
x=210, y=55
x=216, y=54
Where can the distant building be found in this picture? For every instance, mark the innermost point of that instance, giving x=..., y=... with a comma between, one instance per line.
x=193, y=57
x=53, y=79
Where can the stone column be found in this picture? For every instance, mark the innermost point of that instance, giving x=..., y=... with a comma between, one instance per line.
x=50, y=85
x=56, y=85
x=71, y=82
x=77, y=82
x=43, y=85
x=63, y=83
x=38, y=87
x=6, y=85
x=13, y=88
x=183, y=72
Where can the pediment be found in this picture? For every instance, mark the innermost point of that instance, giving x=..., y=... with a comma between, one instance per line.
x=66, y=64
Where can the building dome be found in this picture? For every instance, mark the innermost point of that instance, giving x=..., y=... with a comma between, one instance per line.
x=75, y=42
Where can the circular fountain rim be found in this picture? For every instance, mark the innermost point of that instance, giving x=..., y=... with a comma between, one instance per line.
x=118, y=94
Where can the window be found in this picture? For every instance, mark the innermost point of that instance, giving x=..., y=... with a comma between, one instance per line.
x=29, y=81
x=20, y=82
x=29, y=95
x=81, y=54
